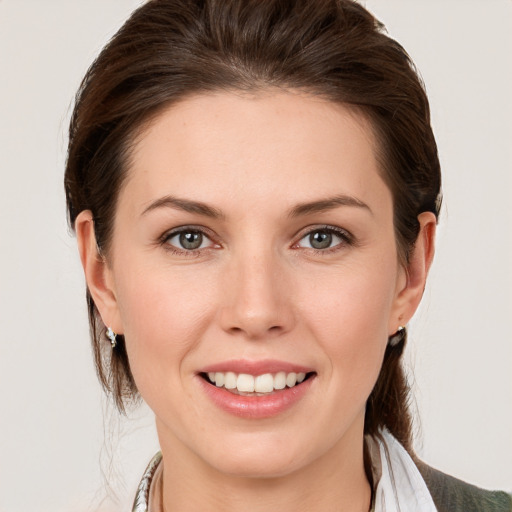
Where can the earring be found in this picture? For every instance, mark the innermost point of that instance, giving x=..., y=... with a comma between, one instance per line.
x=398, y=337
x=111, y=335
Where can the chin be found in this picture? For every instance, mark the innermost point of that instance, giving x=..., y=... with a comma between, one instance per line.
x=259, y=466
x=260, y=456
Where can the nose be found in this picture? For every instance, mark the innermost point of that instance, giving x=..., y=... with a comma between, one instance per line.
x=257, y=302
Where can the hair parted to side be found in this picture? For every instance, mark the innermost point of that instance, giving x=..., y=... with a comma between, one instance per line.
x=171, y=49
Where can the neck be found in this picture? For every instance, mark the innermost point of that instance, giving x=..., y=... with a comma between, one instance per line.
x=334, y=482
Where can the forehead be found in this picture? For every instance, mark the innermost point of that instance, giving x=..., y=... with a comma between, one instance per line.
x=233, y=145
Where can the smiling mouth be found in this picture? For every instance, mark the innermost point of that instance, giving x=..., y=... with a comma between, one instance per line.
x=244, y=384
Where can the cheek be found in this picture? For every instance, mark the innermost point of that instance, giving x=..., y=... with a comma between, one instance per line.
x=349, y=316
x=164, y=314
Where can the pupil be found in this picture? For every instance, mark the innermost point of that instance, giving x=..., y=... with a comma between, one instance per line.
x=320, y=239
x=191, y=240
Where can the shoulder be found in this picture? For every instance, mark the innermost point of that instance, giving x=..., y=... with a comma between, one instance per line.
x=453, y=495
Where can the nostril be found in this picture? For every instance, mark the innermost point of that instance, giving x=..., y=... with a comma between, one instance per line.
x=256, y=333
x=256, y=321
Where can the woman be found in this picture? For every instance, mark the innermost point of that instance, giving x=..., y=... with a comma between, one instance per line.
x=255, y=188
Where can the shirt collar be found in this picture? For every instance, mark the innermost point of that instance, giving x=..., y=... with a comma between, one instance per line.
x=399, y=484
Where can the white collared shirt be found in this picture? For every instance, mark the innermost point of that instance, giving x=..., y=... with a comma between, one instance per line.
x=400, y=486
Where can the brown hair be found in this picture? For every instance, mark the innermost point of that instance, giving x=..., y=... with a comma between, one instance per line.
x=170, y=49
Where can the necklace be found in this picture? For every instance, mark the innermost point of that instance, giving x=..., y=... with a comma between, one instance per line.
x=141, y=501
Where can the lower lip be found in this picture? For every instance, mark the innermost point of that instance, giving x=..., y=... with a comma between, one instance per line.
x=256, y=407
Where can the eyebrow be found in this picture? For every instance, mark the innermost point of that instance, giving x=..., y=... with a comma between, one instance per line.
x=324, y=205
x=184, y=205
x=319, y=206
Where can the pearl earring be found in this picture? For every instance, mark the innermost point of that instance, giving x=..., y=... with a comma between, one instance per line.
x=398, y=337
x=111, y=335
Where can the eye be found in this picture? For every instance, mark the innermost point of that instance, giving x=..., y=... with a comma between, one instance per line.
x=324, y=238
x=188, y=240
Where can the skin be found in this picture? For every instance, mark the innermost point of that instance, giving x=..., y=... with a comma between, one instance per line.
x=256, y=289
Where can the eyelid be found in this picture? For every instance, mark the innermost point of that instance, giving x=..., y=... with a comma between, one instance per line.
x=207, y=233
x=346, y=237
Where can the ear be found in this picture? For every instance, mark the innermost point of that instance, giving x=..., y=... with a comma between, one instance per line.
x=98, y=274
x=411, y=283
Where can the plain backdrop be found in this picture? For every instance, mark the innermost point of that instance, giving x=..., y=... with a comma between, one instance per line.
x=60, y=442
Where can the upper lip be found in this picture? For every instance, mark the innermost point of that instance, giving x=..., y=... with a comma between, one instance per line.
x=256, y=367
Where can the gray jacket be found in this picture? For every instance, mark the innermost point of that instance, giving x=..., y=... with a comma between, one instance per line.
x=453, y=495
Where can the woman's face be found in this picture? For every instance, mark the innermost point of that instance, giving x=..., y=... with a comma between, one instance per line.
x=254, y=236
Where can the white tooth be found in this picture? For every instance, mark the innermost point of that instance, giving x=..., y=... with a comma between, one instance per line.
x=245, y=383
x=264, y=383
x=211, y=376
x=300, y=377
x=230, y=380
x=280, y=380
x=291, y=379
x=219, y=379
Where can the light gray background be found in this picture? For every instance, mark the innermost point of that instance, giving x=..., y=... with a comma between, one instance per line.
x=53, y=420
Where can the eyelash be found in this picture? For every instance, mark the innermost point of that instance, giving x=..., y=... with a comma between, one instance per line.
x=346, y=238
x=164, y=241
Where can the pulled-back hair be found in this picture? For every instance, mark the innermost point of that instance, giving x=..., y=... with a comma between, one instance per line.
x=172, y=49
